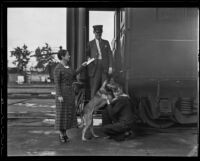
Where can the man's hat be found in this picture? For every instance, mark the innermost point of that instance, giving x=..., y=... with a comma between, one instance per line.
x=98, y=28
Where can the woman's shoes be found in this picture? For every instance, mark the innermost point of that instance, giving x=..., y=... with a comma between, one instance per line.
x=63, y=139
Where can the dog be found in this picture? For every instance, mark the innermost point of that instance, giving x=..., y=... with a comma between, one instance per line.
x=100, y=99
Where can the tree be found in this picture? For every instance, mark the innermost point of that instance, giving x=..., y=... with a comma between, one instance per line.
x=22, y=56
x=45, y=59
x=43, y=56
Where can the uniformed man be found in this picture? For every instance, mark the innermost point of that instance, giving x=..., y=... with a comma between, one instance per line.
x=101, y=67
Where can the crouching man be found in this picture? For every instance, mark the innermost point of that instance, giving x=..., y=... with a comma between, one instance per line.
x=119, y=119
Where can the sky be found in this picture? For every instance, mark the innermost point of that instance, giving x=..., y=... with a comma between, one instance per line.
x=36, y=26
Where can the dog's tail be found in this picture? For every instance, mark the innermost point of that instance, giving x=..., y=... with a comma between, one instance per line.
x=81, y=114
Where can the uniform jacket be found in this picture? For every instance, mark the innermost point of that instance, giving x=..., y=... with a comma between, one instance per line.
x=120, y=110
x=107, y=58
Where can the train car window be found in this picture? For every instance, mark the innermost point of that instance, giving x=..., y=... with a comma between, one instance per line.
x=170, y=14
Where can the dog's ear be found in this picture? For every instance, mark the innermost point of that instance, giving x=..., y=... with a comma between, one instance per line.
x=103, y=86
x=104, y=83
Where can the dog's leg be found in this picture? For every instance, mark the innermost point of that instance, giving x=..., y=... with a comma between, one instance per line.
x=84, y=130
x=92, y=130
x=87, y=123
x=83, y=133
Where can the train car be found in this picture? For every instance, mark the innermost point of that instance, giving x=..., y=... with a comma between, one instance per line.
x=156, y=53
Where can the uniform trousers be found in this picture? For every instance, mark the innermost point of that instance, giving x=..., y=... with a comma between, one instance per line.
x=99, y=77
x=115, y=128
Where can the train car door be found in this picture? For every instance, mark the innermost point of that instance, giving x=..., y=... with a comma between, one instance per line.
x=120, y=45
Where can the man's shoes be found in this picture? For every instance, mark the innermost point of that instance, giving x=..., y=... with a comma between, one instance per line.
x=130, y=135
x=125, y=136
x=119, y=138
x=107, y=137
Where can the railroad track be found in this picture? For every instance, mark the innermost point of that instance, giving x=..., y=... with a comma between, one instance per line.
x=31, y=92
x=21, y=101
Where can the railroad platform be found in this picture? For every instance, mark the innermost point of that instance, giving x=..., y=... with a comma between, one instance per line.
x=30, y=132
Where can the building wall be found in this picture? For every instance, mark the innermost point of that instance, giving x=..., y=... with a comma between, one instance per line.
x=12, y=78
x=38, y=77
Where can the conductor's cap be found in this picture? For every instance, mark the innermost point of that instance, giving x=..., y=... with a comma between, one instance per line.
x=98, y=28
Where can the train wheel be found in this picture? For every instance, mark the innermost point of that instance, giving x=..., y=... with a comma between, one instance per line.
x=185, y=110
x=146, y=117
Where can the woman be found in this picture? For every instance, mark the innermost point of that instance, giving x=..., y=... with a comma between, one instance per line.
x=64, y=76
